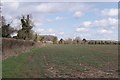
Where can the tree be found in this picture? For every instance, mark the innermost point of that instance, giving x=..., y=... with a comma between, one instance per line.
x=55, y=40
x=7, y=30
x=118, y=42
x=2, y=20
x=36, y=37
x=42, y=38
x=68, y=41
x=61, y=41
x=77, y=40
x=84, y=40
x=26, y=32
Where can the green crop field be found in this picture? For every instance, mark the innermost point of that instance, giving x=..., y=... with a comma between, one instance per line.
x=91, y=61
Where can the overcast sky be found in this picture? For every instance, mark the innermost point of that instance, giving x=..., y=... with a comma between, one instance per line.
x=90, y=20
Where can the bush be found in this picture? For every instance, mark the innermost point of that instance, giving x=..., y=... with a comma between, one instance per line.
x=12, y=46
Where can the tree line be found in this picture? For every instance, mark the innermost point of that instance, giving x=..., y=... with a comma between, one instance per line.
x=26, y=33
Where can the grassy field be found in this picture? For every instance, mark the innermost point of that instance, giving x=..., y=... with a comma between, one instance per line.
x=92, y=61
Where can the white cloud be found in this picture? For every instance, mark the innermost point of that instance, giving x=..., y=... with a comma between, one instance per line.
x=61, y=33
x=113, y=21
x=78, y=14
x=55, y=19
x=49, y=20
x=8, y=17
x=11, y=5
x=9, y=1
x=50, y=30
x=98, y=28
x=39, y=30
x=105, y=23
x=79, y=29
x=15, y=24
x=110, y=12
x=48, y=8
x=38, y=22
x=63, y=1
x=14, y=5
x=76, y=8
x=104, y=31
x=53, y=34
x=59, y=18
x=87, y=23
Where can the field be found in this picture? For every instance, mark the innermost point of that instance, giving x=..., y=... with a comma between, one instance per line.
x=91, y=61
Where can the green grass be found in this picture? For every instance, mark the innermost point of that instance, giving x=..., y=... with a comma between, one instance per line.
x=62, y=58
